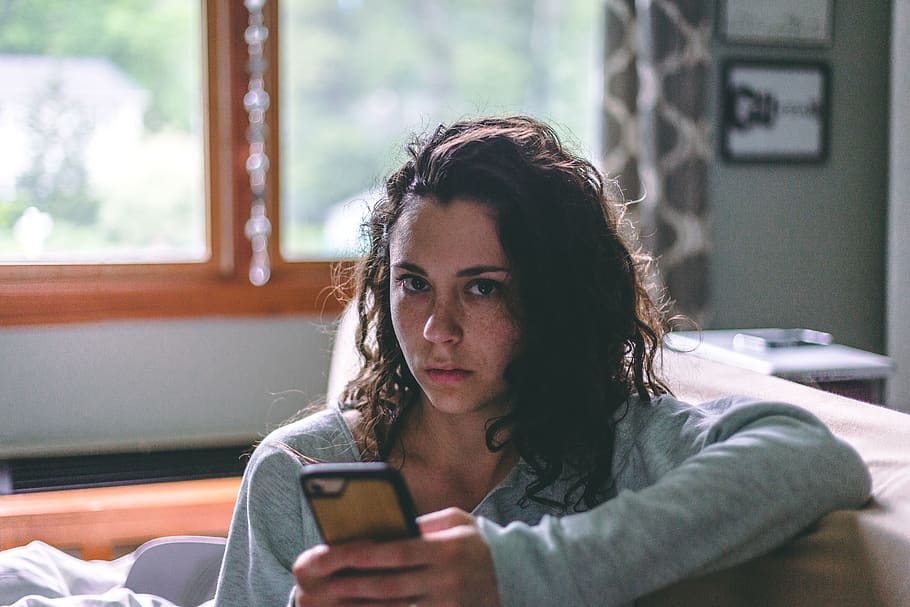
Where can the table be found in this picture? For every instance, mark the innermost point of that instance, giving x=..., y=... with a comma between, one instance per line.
x=835, y=368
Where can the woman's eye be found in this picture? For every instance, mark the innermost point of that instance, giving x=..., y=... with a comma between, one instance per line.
x=413, y=284
x=484, y=288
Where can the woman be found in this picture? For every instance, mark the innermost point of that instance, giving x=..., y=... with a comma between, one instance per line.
x=508, y=343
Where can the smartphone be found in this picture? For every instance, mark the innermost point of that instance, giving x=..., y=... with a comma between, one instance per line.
x=359, y=501
x=761, y=339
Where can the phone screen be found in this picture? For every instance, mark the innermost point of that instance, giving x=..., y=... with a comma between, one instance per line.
x=359, y=501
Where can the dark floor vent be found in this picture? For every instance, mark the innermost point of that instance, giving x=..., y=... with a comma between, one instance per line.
x=81, y=471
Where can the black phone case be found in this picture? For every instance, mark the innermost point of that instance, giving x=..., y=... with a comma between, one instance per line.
x=359, y=501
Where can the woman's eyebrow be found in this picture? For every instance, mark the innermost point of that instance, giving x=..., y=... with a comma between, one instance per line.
x=410, y=267
x=467, y=272
x=477, y=270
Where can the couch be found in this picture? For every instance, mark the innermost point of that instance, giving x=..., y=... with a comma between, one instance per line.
x=855, y=558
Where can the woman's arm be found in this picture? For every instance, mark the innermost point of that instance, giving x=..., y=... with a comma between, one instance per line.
x=267, y=533
x=727, y=486
x=272, y=525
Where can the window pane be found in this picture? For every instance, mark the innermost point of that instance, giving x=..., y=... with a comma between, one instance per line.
x=101, y=154
x=358, y=75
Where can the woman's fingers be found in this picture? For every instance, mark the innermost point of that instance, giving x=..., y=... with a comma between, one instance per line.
x=322, y=561
x=449, y=564
x=390, y=585
x=443, y=519
x=360, y=571
x=441, y=568
x=316, y=562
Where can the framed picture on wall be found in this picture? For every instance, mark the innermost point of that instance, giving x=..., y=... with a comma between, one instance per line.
x=776, y=22
x=774, y=111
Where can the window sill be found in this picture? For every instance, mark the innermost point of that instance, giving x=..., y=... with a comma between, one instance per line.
x=162, y=292
x=95, y=522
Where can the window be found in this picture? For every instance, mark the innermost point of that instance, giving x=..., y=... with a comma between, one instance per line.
x=201, y=271
x=358, y=75
x=103, y=136
x=154, y=226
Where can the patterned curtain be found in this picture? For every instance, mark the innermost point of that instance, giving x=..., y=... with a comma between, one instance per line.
x=656, y=135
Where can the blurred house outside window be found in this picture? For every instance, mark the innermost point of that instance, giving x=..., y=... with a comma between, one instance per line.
x=101, y=134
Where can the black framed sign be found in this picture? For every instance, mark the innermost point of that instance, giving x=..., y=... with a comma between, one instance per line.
x=776, y=22
x=774, y=111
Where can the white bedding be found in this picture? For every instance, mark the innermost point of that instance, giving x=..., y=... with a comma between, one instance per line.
x=38, y=575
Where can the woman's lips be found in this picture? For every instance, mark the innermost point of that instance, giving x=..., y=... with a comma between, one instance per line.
x=447, y=376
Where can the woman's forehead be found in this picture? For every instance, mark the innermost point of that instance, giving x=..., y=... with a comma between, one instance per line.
x=462, y=230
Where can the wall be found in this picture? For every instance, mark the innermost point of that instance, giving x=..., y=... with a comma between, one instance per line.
x=898, y=336
x=129, y=385
x=804, y=245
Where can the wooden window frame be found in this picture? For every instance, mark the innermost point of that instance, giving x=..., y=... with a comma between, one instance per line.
x=50, y=294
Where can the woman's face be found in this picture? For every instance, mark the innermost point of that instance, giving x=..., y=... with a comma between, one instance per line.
x=450, y=281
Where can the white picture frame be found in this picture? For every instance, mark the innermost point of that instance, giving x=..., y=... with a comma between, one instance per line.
x=774, y=111
x=777, y=22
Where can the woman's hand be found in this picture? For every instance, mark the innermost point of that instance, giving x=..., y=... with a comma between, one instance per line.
x=449, y=564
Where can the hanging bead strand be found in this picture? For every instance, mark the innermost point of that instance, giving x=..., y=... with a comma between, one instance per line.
x=256, y=101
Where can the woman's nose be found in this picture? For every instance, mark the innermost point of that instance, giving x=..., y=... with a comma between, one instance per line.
x=443, y=324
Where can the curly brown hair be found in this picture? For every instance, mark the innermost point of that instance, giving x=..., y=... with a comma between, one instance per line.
x=590, y=328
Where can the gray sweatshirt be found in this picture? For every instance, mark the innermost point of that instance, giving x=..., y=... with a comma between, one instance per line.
x=698, y=488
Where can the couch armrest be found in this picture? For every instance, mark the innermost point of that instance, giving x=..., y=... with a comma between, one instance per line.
x=851, y=558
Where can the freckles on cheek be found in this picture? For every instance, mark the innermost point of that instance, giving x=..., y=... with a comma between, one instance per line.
x=513, y=341
x=396, y=312
x=500, y=329
x=512, y=334
x=404, y=316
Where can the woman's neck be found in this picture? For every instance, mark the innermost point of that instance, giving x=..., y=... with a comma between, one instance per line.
x=445, y=459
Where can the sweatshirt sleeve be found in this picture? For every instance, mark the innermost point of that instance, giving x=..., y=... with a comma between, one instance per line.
x=267, y=533
x=699, y=489
x=272, y=524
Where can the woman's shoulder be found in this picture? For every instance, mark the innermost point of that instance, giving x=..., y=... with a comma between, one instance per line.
x=323, y=435
x=666, y=413
x=666, y=428
x=667, y=408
